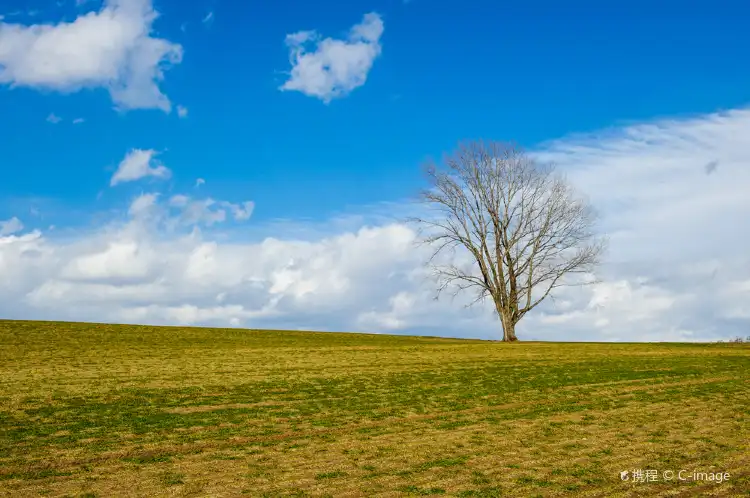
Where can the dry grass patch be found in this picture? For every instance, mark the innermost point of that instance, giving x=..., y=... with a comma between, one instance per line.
x=101, y=410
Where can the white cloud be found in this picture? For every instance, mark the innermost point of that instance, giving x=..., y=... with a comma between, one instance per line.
x=139, y=164
x=112, y=48
x=78, y=120
x=179, y=200
x=119, y=261
x=202, y=212
x=401, y=305
x=677, y=268
x=242, y=211
x=53, y=119
x=10, y=226
x=199, y=182
x=182, y=111
x=208, y=18
x=208, y=211
x=143, y=205
x=333, y=68
x=181, y=210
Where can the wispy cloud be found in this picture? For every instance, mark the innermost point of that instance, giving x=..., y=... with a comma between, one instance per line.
x=139, y=164
x=52, y=118
x=182, y=111
x=240, y=212
x=184, y=210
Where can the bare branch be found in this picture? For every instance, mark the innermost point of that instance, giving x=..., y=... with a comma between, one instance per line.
x=521, y=225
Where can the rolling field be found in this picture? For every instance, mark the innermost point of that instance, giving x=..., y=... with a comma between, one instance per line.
x=104, y=410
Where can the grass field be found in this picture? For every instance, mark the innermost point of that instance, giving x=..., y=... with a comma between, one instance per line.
x=104, y=410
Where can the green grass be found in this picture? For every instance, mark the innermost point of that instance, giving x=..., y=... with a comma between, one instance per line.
x=106, y=410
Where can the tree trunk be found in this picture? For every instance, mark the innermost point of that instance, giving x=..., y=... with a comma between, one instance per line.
x=509, y=329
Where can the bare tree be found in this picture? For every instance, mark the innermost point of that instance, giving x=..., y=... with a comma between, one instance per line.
x=525, y=231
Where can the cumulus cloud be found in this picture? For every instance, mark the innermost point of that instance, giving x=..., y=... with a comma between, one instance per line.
x=137, y=164
x=329, y=68
x=677, y=268
x=131, y=274
x=112, y=48
x=10, y=226
x=119, y=261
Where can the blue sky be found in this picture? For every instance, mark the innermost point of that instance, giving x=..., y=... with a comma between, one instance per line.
x=418, y=77
x=448, y=71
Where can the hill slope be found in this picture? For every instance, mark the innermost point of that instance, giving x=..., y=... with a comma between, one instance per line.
x=113, y=410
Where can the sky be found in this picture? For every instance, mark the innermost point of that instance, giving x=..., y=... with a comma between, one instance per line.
x=250, y=164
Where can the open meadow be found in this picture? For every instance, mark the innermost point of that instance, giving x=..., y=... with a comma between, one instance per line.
x=106, y=410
